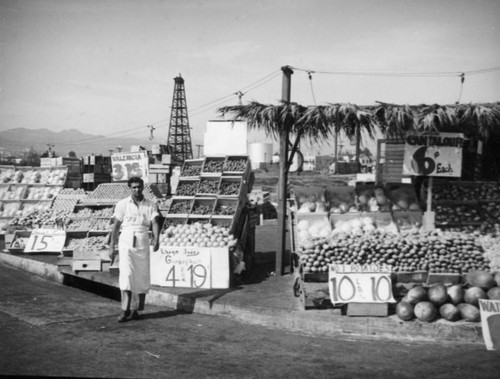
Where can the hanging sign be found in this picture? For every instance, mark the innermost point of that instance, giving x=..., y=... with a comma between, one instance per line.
x=126, y=165
x=354, y=283
x=490, y=323
x=45, y=240
x=438, y=154
x=190, y=267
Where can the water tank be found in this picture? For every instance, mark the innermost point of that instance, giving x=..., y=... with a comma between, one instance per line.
x=260, y=152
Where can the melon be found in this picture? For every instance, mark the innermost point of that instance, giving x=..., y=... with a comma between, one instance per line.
x=437, y=294
x=493, y=293
x=379, y=192
x=425, y=311
x=449, y=312
x=473, y=294
x=456, y=294
x=381, y=199
x=404, y=311
x=363, y=199
x=482, y=279
x=414, y=207
x=416, y=295
x=344, y=207
x=403, y=204
x=496, y=277
x=469, y=312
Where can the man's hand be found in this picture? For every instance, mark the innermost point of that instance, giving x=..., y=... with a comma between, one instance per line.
x=112, y=253
x=156, y=246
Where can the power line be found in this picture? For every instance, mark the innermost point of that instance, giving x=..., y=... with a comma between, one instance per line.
x=400, y=73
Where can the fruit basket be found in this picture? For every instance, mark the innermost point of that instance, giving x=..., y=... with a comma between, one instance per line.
x=180, y=207
x=209, y=186
x=372, y=198
x=231, y=186
x=226, y=208
x=191, y=168
x=213, y=166
x=236, y=165
x=202, y=208
x=172, y=221
x=187, y=187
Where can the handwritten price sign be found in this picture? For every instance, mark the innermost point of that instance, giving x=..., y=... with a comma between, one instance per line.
x=360, y=284
x=45, y=241
x=438, y=154
x=190, y=267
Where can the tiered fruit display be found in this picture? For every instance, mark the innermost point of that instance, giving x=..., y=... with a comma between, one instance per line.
x=57, y=177
x=197, y=235
x=438, y=252
x=223, y=209
x=452, y=303
x=93, y=212
x=373, y=200
x=467, y=191
x=64, y=204
x=101, y=224
x=213, y=165
x=10, y=209
x=79, y=224
x=235, y=164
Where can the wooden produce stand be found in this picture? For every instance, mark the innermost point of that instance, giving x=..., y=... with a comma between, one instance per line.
x=199, y=241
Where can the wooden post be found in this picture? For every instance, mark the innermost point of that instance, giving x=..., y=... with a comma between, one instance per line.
x=283, y=177
x=358, y=148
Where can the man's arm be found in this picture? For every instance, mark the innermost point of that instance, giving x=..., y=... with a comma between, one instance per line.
x=115, y=230
x=156, y=233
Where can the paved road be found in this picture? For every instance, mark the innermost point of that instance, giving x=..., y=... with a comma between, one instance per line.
x=54, y=330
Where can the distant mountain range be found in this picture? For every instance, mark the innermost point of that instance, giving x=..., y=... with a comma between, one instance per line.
x=17, y=141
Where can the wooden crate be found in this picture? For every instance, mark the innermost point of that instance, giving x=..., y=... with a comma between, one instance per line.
x=206, y=204
x=187, y=187
x=191, y=168
x=213, y=166
x=229, y=185
x=212, y=183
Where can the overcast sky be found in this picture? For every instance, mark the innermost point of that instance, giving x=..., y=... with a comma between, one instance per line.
x=108, y=67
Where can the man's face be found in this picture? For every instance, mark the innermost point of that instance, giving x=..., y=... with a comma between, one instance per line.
x=136, y=189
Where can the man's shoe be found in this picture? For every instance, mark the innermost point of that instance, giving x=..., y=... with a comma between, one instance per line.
x=123, y=317
x=134, y=315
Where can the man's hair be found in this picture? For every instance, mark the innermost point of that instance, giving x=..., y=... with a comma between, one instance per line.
x=135, y=179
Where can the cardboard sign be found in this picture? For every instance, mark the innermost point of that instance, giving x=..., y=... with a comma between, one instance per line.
x=490, y=323
x=190, y=267
x=45, y=241
x=352, y=283
x=438, y=154
x=126, y=165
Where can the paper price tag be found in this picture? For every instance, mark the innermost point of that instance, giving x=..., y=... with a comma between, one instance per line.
x=45, y=240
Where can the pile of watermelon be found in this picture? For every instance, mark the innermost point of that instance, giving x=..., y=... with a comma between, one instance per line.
x=453, y=303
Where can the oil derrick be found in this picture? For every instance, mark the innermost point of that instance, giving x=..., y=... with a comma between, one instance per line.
x=179, y=136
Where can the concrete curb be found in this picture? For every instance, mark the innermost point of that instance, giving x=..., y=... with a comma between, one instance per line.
x=321, y=322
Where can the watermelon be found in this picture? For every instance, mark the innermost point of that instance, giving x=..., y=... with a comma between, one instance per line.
x=473, y=294
x=496, y=277
x=437, y=294
x=425, y=311
x=449, y=312
x=404, y=311
x=469, y=312
x=482, y=279
x=456, y=294
x=493, y=293
x=416, y=295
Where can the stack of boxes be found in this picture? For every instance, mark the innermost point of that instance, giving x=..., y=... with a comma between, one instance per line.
x=96, y=170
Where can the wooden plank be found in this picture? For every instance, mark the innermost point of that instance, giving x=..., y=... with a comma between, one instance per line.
x=86, y=265
x=368, y=309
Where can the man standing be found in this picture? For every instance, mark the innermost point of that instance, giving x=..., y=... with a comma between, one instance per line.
x=134, y=215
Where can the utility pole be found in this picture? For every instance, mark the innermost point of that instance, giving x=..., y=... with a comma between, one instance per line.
x=283, y=175
x=110, y=151
x=199, y=147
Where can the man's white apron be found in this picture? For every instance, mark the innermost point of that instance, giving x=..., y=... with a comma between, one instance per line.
x=134, y=260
